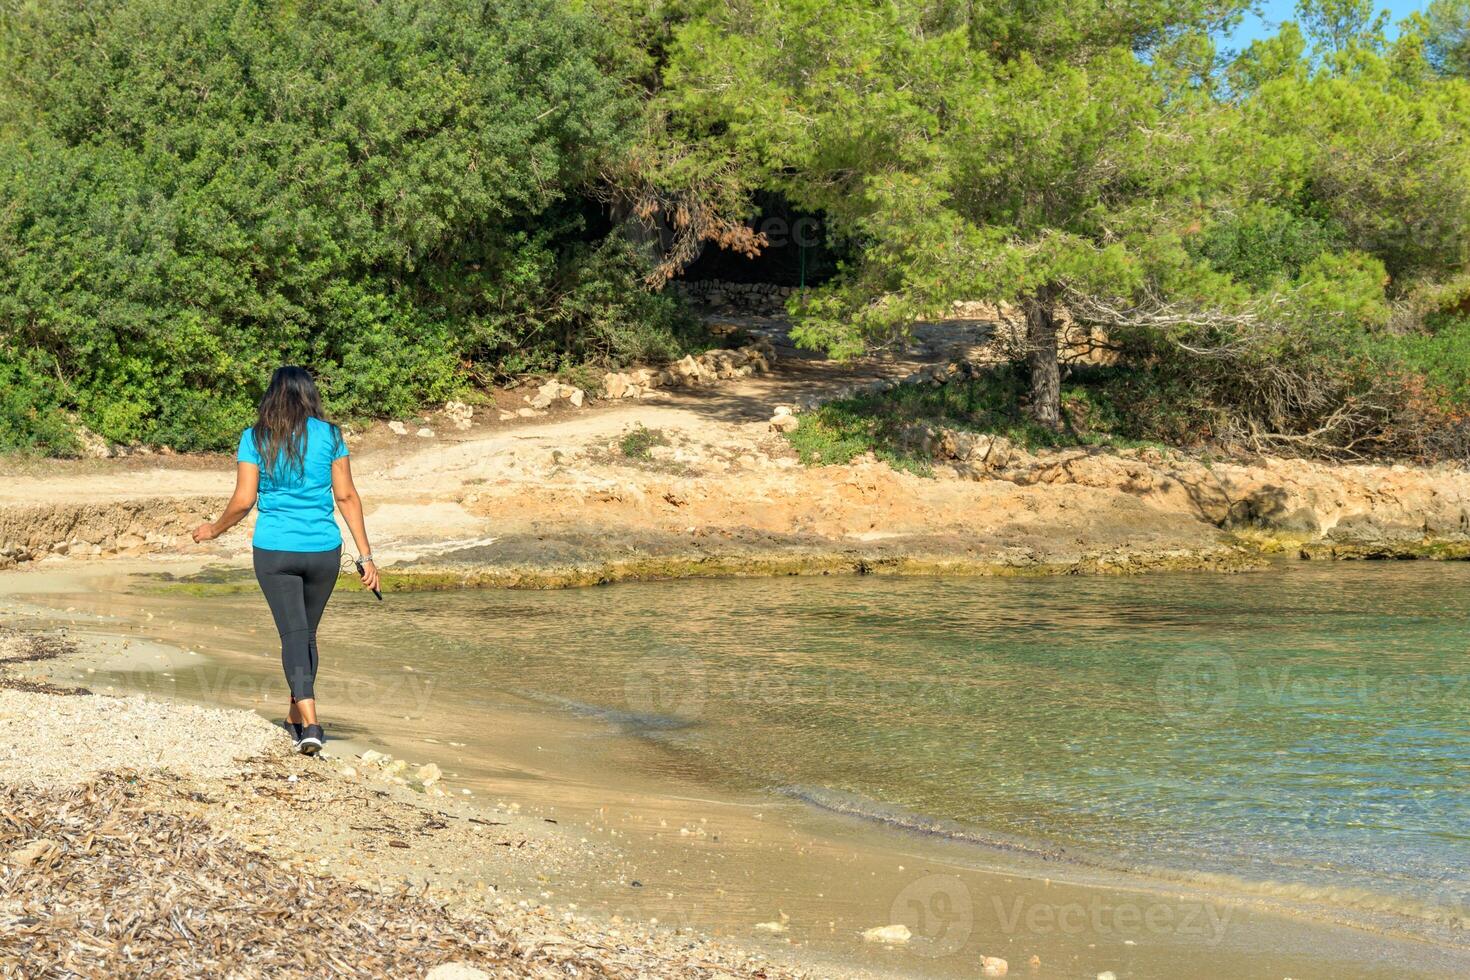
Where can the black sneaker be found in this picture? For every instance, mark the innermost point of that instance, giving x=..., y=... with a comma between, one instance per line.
x=293, y=728
x=312, y=740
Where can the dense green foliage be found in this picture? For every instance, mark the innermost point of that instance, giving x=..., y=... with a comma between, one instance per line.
x=192, y=194
x=30, y=416
x=410, y=196
x=1252, y=228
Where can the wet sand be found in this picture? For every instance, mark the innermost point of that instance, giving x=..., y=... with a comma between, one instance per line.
x=767, y=873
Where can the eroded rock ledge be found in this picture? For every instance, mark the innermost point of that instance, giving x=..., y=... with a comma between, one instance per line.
x=597, y=556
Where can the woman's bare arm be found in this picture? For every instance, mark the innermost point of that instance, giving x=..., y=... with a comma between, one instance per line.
x=350, y=504
x=247, y=484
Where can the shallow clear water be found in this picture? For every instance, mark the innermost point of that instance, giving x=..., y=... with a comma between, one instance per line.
x=1303, y=727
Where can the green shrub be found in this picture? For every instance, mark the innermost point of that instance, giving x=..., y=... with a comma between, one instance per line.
x=385, y=192
x=600, y=316
x=1102, y=407
x=1441, y=356
x=31, y=417
x=1262, y=245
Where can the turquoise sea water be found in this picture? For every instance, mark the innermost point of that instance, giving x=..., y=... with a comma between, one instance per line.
x=1302, y=730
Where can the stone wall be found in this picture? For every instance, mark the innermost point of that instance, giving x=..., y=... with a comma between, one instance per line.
x=735, y=297
x=691, y=370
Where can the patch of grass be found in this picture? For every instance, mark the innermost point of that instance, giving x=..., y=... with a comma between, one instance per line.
x=637, y=442
x=588, y=377
x=839, y=432
x=1101, y=408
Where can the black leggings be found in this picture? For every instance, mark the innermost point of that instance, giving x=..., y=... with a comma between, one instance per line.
x=297, y=585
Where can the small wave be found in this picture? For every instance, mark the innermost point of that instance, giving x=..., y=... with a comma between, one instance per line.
x=632, y=722
x=1441, y=916
x=866, y=808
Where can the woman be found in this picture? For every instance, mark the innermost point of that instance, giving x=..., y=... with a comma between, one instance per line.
x=297, y=462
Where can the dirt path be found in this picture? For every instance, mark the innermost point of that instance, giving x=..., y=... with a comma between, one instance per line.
x=414, y=486
x=702, y=411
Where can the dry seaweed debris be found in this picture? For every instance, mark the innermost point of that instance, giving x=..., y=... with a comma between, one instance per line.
x=28, y=647
x=93, y=883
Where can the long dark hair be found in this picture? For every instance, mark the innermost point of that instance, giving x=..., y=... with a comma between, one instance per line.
x=280, y=427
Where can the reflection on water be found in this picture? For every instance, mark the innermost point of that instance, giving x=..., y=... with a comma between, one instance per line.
x=1306, y=726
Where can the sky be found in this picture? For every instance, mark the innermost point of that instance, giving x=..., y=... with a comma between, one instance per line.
x=1275, y=11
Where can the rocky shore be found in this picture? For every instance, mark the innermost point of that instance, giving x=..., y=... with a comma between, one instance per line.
x=684, y=472
x=125, y=851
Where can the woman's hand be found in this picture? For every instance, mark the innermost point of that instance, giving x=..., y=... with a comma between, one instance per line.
x=204, y=532
x=369, y=575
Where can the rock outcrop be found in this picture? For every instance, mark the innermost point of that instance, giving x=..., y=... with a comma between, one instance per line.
x=124, y=527
x=691, y=370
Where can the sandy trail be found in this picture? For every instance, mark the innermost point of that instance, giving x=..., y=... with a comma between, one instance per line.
x=414, y=487
x=712, y=413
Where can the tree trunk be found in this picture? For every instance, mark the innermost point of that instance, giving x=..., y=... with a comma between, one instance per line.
x=1041, y=359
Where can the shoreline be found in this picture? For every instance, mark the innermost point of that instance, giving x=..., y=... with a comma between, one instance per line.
x=672, y=559
x=944, y=859
x=578, y=557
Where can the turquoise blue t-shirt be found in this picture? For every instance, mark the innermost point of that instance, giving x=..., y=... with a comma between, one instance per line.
x=295, y=508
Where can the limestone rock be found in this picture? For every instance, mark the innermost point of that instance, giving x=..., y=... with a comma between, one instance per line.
x=460, y=415
x=691, y=369
x=429, y=774
x=993, y=966
x=784, y=423
x=93, y=446
x=425, y=433
x=894, y=935
x=398, y=428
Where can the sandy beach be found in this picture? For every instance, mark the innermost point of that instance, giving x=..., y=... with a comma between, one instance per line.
x=223, y=853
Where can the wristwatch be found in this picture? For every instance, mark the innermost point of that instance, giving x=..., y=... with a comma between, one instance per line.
x=365, y=558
